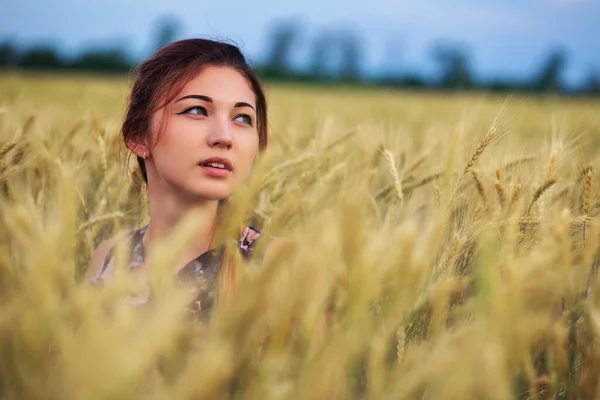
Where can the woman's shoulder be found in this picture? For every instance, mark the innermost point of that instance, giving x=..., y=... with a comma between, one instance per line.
x=102, y=250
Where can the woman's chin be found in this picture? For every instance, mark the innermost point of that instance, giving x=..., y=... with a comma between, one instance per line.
x=207, y=191
x=213, y=193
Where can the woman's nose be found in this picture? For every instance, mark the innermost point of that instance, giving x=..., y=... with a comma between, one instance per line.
x=220, y=135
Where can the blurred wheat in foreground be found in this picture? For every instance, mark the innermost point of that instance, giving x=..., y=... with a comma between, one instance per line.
x=436, y=247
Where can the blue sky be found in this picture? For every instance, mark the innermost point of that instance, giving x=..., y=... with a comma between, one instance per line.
x=506, y=38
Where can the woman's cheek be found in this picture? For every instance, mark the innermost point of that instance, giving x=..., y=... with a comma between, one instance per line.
x=246, y=166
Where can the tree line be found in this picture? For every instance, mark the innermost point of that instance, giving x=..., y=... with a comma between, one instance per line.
x=334, y=56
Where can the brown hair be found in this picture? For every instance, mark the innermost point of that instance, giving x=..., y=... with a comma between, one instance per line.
x=165, y=73
x=161, y=77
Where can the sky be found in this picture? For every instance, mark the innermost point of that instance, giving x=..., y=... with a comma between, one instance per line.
x=506, y=38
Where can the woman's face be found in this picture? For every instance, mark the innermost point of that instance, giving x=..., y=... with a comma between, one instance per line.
x=209, y=139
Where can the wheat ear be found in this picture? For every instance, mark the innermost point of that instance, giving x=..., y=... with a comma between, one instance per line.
x=516, y=195
x=393, y=171
x=587, y=195
x=540, y=191
x=479, y=186
x=500, y=188
x=437, y=194
x=485, y=142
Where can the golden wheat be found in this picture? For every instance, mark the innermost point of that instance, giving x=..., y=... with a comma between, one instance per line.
x=393, y=170
x=479, y=186
x=383, y=288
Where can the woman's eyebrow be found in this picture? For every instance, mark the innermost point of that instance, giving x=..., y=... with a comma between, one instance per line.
x=196, y=96
x=243, y=104
x=210, y=100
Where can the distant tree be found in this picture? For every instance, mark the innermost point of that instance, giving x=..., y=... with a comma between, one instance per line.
x=413, y=81
x=284, y=36
x=549, y=77
x=501, y=85
x=109, y=60
x=350, y=55
x=454, y=65
x=41, y=56
x=592, y=84
x=167, y=29
x=8, y=54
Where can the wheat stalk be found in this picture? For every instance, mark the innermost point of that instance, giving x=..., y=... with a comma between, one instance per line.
x=540, y=191
x=485, y=142
x=479, y=186
x=588, y=188
x=6, y=147
x=400, y=344
x=515, y=163
x=516, y=195
x=587, y=196
x=583, y=172
x=103, y=161
x=285, y=165
x=437, y=194
x=500, y=188
x=117, y=215
x=8, y=172
x=340, y=140
x=551, y=169
x=393, y=171
x=418, y=162
x=560, y=195
x=333, y=172
x=530, y=220
x=409, y=187
x=425, y=181
x=26, y=128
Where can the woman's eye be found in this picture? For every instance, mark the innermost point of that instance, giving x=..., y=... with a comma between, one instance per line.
x=197, y=110
x=244, y=118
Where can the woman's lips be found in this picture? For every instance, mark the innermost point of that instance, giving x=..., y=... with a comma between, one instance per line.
x=218, y=167
x=217, y=162
x=214, y=171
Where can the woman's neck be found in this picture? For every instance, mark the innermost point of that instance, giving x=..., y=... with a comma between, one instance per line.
x=167, y=210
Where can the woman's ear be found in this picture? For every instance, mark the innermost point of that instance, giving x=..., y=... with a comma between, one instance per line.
x=138, y=147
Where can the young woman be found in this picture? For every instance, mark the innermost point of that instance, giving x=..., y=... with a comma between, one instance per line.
x=196, y=121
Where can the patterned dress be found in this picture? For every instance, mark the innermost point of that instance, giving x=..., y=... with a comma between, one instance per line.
x=199, y=275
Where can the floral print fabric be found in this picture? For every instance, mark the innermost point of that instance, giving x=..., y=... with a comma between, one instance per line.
x=199, y=275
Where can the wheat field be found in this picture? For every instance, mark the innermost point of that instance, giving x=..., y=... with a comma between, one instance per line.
x=434, y=247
